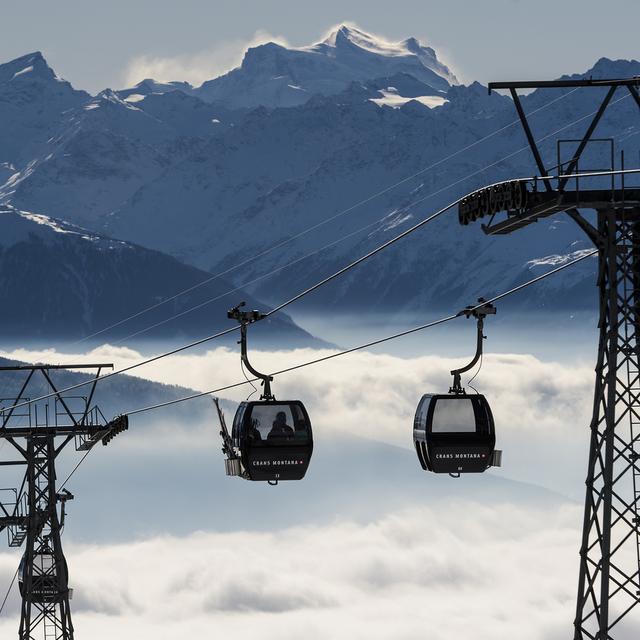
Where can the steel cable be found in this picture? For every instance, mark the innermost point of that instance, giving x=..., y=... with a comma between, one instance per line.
x=373, y=343
x=315, y=252
x=298, y=296
x=6, y=597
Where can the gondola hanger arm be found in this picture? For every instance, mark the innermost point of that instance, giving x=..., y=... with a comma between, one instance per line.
x=478, y=311
x=245, y=318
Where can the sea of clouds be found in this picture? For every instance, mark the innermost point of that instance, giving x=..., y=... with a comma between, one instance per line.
x=464, y=571
x=542, y=408
x=468, y=568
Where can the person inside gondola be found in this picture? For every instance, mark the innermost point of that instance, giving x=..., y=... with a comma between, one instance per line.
x=280, y=428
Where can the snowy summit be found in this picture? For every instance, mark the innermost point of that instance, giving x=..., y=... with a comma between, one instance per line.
x=276, y=76
x=406, y=56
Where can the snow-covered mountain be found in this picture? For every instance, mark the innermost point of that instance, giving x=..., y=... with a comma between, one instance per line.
x=102, y=150
x=276, y=76
x=298, y=191
x=61, y=281
x=312, y=162
x=273, y=75
x=33, y=101
x=149, y=86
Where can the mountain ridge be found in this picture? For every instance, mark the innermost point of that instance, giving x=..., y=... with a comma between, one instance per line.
x=216, y=187
x=72, y=283
x=277, y=76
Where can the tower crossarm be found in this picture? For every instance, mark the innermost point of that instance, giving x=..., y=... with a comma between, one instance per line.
x=515, y=204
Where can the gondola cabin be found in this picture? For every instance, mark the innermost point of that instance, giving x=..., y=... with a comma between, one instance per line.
x=455, y=433
x=45, y=585
x=274, y=438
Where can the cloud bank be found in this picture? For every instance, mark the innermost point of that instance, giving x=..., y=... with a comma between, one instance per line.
x=542, y=409
x=467, y=570
x=523, y=389
x=368, y=389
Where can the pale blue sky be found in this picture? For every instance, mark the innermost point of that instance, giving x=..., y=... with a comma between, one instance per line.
x=97, y=44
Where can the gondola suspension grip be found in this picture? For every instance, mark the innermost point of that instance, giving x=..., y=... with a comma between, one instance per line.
x=479, y=311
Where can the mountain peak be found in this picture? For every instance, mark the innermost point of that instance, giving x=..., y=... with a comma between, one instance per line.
x=109, y=99
x=348, y=39
x=35, y=57
x=348, y=34
x=607, y=68
x=272, y=74
x=31, y=64
x=31, y=67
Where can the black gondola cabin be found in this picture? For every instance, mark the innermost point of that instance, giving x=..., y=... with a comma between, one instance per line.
x=274, y=438
x=46, y=586
x=455, y=433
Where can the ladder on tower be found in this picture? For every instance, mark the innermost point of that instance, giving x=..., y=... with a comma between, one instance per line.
x=50, y=625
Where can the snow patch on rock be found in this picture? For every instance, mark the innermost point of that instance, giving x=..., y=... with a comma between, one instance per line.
x=392, y=99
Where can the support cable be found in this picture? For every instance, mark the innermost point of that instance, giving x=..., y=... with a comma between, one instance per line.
x=215, y=336
x=291, y=300
x=295, y=298
x=232, y=329
x=417, y=226
x=351, y=350
x=373, y=343
x=323, y=222
x=546, y=178
x=250, y=282
x=125, y=369
x=358, y=261
x=6, y=597
x=342, y=239
x=315, y=252
x=62, y=486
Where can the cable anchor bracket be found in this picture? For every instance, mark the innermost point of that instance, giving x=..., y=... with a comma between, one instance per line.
x=478, y=311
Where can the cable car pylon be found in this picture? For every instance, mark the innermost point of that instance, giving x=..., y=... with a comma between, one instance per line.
x=34, y=513
x=609, y=574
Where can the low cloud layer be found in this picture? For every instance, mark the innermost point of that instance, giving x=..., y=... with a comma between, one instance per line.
x=474, y=568
x=542, y=409
x=461, y=571
x=371, y=388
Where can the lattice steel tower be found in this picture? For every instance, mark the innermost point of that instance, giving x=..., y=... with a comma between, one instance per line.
x=38, y=432
x=609, y=579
